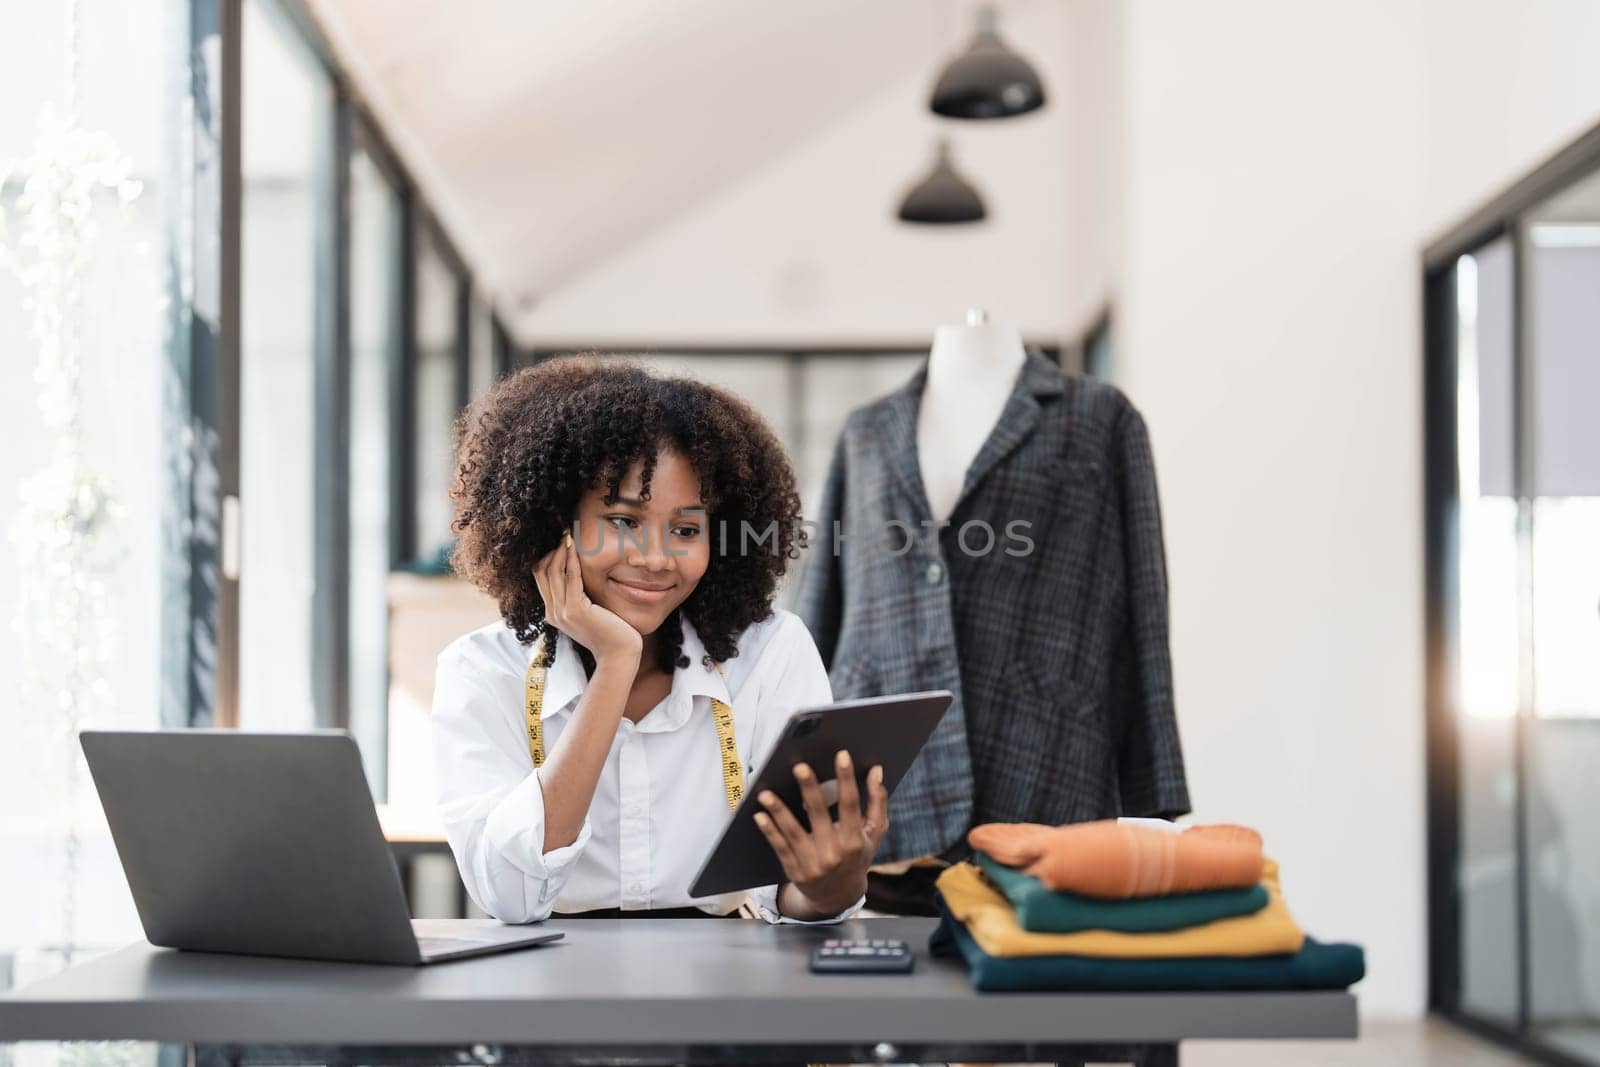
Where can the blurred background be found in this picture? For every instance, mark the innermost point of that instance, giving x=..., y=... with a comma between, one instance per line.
x=255, y=255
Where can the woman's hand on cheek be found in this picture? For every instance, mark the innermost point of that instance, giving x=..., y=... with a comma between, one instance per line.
x=568, y=608
x=826, y=866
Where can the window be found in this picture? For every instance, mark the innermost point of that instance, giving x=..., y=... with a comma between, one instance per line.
x=440, y=388
x=377, y=215
x=483, y=348
x=287, y=150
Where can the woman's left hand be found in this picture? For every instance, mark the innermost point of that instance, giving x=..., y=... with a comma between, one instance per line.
x=826, y=866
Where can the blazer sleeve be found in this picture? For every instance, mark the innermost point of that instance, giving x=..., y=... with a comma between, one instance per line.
x=820, y=599
x=1150, y=758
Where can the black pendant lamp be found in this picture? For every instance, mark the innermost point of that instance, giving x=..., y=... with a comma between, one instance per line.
x=988, y=80
x=943, y=197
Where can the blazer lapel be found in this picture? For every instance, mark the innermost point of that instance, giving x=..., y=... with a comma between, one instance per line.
x=897, y=428
x=1038, y=378
x=897, y=424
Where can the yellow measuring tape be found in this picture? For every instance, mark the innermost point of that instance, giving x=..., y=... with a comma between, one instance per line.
x=732, y=771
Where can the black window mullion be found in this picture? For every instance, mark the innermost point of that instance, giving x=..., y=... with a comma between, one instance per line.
x=798, y=367
x=463, y=340
x=403, y=426
x=1442, y=584
x=502, y=348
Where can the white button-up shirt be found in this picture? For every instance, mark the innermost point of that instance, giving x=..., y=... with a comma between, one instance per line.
x=660, y=803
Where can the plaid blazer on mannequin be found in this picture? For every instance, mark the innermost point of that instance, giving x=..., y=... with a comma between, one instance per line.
x=1057, y=654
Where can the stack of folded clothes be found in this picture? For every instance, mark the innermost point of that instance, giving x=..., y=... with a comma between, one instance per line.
x=1122, y=906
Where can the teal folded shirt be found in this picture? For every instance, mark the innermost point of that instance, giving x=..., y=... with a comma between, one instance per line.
x=1315, y=966
x=1045, y=911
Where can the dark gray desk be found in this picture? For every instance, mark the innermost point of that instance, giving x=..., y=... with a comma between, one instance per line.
x=682, y=989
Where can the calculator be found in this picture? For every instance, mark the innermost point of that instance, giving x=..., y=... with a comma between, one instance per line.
x=875, y=955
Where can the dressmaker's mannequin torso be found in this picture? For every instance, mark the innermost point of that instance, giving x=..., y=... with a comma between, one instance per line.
x=971, y=371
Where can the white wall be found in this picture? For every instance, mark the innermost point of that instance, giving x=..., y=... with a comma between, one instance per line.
x=1507, y=84
x=1283, y=166
x=807, y=249
x=1094, y=98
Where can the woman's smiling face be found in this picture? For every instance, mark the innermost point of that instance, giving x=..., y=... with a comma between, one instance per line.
x=642, y=558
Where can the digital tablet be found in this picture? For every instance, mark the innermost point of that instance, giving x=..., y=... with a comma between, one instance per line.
x=887, y=730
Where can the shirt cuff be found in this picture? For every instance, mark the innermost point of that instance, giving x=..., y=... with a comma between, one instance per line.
x=765, y=900
x=515, y=829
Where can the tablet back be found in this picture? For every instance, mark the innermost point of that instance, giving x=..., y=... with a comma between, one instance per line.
x=887, y=730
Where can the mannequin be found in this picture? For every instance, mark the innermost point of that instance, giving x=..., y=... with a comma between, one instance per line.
x=971, y=371
x=982, y=434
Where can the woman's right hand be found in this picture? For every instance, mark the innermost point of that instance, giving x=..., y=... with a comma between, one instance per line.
x=568, y=608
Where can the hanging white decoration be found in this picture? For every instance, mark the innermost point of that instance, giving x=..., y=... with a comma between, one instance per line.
x=64, y=530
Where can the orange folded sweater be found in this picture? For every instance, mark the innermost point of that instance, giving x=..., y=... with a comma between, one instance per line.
x=1117, y=862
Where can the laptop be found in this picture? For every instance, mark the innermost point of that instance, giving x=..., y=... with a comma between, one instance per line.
x=265, y=844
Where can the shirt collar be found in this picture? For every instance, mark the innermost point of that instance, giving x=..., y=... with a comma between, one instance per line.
x=565, y=681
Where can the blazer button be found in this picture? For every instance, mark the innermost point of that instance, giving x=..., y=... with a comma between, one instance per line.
x=934, y=572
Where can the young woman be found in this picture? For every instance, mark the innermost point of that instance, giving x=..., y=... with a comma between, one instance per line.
x=633, y=529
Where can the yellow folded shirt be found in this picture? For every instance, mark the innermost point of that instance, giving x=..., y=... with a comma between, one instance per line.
x=989, y=917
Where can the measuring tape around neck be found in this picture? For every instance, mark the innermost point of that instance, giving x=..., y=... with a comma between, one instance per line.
x=721, y=713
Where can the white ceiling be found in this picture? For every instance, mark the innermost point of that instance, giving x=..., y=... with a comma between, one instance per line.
x=550, y=136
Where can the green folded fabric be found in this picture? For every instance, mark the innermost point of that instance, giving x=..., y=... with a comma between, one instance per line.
x=1315, y=966
x=1042, y=910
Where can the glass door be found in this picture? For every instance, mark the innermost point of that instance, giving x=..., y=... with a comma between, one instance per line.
x=1561, y=436
x=1513, y=521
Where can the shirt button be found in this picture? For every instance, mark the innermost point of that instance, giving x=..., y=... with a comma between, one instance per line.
x=633, y=811
x=934, y=572
x=637, y=887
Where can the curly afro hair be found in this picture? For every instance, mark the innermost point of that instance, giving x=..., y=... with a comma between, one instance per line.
x=528, y=451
